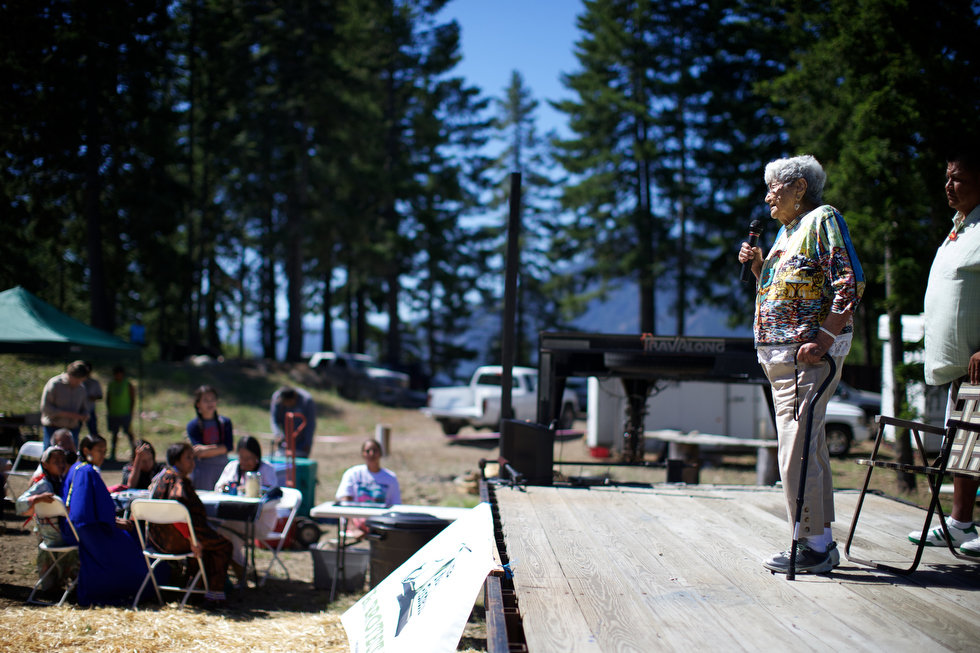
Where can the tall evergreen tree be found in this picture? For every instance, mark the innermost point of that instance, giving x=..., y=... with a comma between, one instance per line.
x=880, y=89
x=670, y=139
x=612, y=154
x=89, y=104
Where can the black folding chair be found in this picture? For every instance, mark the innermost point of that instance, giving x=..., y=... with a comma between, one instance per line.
x=958, y=456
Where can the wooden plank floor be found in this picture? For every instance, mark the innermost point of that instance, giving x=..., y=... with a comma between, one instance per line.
x=678, y=568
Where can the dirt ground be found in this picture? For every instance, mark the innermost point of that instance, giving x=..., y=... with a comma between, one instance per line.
x=431, y=471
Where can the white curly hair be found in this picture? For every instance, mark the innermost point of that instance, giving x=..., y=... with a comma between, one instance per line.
x=786, y=171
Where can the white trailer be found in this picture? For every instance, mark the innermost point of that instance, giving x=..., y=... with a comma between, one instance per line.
x=738, y=411
x=733, y=409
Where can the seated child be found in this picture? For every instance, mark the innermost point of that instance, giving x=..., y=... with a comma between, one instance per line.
x=45, y=488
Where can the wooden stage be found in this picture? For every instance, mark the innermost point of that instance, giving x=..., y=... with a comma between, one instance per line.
x=677, y=568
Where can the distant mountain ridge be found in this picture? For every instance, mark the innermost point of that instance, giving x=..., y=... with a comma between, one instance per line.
x=617, y=312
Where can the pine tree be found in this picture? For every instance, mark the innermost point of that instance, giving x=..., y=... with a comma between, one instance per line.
x=670, y=138
x=872, y=97
x=611, y=156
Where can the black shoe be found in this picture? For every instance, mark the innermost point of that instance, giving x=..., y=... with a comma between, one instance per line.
x=808, y=561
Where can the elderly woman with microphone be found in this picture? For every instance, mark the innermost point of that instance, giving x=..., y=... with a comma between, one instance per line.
x=808, y=287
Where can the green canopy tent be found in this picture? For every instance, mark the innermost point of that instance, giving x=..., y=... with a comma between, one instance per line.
x=29, y=325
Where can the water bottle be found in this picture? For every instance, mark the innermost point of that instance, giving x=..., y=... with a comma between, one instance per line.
x=252, y=485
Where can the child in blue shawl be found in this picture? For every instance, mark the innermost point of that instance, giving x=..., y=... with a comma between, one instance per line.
x=111, y=561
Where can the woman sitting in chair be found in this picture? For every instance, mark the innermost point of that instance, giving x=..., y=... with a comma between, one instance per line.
x=111, y=560
x=174, y=482
x=233, y=475
x=49, y=485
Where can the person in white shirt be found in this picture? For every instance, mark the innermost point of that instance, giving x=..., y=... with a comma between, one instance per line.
x=249, y=460
x=233, y=476
x=369, y=482
x=952, y=326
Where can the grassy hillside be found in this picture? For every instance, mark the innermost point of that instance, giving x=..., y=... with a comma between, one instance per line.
x=425, y=463
x=166, y=389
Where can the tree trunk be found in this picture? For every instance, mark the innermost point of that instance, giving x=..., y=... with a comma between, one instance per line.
x=267, y=245
x=360, y=301
x=93, y=218
x=644, y=229
x=394, y=339
x=643, y=217
x=351, y=317
x=192, y=279
x=326, y=336
x=295, y=219
x=210, y=233
x=93, y=187
x=682, y=226
x=242, y=301
x=267, y=303
x=681, y=266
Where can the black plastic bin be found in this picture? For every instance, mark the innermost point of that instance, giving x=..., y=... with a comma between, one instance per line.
x=395, y=536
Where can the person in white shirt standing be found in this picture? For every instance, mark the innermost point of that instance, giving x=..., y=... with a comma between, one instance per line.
x=952, y=326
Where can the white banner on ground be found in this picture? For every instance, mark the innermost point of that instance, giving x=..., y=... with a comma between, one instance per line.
x=424, y=604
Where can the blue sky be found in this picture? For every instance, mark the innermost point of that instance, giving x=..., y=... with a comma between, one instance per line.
x=534, y=37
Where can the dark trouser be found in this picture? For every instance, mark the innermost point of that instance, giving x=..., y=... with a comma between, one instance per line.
x=92, y=423
x=216, y=551
x=117, y=423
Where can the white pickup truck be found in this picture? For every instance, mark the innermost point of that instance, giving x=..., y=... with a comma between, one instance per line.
x=478, y=404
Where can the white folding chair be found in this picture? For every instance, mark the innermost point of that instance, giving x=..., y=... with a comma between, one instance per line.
x=29, y=451
x=144, y=512
x=58, y=553
x=290, y=500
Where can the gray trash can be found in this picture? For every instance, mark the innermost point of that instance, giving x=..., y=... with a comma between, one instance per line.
x=395, y=536
x=325, y=568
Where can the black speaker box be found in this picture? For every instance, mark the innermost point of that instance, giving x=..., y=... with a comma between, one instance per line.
x=529, y=448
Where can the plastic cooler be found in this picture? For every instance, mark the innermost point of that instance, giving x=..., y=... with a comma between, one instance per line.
x=306, y=471
x=395, y=536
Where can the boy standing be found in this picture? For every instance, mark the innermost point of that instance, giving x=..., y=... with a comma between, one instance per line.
x=120, y=402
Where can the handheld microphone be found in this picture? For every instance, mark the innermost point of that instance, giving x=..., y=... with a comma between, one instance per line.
x=755, y=230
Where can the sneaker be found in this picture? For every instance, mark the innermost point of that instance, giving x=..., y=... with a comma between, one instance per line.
x=935, y=536
x=808, y=561
x=834, y=555
x=971, y=548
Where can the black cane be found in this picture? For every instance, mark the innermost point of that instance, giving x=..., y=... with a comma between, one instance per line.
x=791, y=572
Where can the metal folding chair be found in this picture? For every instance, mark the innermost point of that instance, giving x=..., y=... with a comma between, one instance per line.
x=290, y=500
x=58, y=553
x=958, y=456
x=29, y=451
x=165, y=511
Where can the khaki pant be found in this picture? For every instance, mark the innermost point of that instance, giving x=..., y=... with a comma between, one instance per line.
x=818, y=498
